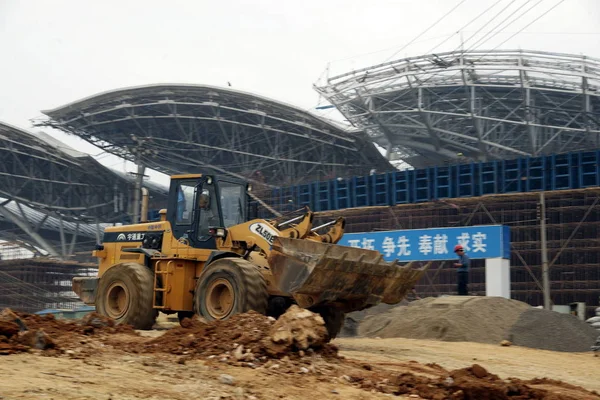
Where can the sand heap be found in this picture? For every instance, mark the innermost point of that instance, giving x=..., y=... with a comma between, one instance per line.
x=483, y=320
x=549, y=330
x=353, y=320
x=452, y=318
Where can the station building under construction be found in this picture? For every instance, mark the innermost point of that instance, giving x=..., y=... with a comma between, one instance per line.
x=487, y=133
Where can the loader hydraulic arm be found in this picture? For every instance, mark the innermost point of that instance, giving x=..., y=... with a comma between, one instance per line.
x=298, y=227
x=261, y=233
x=333, y=235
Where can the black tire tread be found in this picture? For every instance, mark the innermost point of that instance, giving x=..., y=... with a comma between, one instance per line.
x=254, y=290
x=334, y=319
x=255, y=285
x=143, y=281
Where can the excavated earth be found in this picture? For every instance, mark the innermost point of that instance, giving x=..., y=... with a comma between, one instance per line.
x=287, y=358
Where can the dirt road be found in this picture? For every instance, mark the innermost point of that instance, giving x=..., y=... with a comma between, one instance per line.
x=108, y=372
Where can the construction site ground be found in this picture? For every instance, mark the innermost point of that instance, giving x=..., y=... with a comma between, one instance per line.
x=101, y=368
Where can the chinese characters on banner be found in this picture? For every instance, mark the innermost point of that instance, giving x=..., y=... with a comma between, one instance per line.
x=488, y=241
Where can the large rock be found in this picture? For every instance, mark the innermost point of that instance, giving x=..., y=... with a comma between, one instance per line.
x=297, y=329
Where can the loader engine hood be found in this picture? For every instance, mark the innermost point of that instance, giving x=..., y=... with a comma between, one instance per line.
x=316, y=273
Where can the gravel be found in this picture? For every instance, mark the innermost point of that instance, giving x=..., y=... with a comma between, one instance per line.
x=549, y=330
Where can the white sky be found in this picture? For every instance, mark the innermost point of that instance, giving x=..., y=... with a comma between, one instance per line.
x=55, y=52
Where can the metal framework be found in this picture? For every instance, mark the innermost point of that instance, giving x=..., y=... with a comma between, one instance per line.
x=33, y=284
x=177, y=128
x=573, y=231
x=480, y=105
x=53, y=198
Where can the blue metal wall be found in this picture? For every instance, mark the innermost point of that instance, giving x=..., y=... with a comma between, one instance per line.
x=554, y=172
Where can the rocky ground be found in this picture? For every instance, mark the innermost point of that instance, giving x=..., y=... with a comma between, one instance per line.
x=254, y=357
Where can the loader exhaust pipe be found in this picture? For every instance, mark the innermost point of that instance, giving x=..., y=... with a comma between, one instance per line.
x=144, y=212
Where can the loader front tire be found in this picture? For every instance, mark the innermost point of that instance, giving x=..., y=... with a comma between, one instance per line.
x=334, y=319
x=230, y=286
x=125, y=294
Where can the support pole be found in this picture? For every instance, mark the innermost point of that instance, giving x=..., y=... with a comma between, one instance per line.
x=544, y=243
x=145, y=200
x=139, y=179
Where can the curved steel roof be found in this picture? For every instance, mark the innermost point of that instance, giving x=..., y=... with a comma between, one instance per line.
x=52, y=196
x=479, y=105
x=49, y=175
x=177, y=128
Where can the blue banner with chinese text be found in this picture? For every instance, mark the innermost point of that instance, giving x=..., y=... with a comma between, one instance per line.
x=484, y=241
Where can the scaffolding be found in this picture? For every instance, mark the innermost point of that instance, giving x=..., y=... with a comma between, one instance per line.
x=35, y=284
x=573, y=230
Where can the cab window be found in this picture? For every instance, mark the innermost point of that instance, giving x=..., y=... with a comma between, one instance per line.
x=185, y=197
x=233, y=203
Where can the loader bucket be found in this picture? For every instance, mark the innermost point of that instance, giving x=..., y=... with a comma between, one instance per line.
x=315, y=273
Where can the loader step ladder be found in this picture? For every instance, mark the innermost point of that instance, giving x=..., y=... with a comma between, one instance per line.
x=161, y=269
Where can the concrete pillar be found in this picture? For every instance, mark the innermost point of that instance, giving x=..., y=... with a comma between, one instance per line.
x=497, y=277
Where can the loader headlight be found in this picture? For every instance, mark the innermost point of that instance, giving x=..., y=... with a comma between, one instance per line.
x=152, y=241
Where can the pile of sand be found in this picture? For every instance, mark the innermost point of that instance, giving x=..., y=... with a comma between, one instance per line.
x=451, y=318
x=482, y=320
x=549, y=330
x=353, y=320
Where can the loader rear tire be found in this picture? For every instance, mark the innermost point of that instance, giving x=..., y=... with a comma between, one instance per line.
x=334, y=319
x=125, y=294
x=230, y=286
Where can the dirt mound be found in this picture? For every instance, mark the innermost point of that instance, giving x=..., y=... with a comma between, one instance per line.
x=22, y=332
x=472, y=383
x=249, y=337
x=549, y=330
x=451, y=318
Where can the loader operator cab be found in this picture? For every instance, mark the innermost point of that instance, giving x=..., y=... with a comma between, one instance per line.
x=199, y=203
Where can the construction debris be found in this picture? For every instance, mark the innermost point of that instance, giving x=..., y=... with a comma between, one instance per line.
x=25, y=332
x=245, y=338
x=294, y=345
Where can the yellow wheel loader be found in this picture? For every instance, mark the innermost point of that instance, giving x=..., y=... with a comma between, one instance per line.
x=207, y=256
